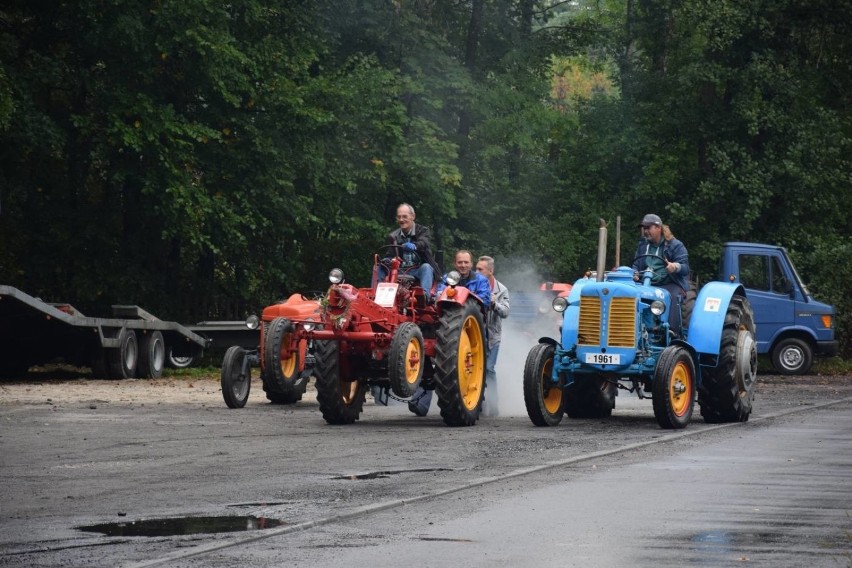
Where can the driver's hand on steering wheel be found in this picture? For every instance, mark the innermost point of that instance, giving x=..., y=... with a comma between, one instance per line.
x=409, y=246
x=672, y=267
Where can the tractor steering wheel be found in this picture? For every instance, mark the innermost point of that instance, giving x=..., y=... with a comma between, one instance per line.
x=656, y=275
x=398, y=251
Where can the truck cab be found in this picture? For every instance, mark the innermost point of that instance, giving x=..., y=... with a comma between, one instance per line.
x=791, y=325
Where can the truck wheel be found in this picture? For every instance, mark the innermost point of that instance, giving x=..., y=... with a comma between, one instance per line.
x=235, y=384
x=792, y=356
x=341, y=401
x=542, y=397
x=123, y=360
x=460, y=363
x=279, y=371
x=674, y=388
x=406, y=360
x=589, y=397
x=152, y=349
x=727, y=390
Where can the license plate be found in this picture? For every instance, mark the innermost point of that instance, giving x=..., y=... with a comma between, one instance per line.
x=602, y=359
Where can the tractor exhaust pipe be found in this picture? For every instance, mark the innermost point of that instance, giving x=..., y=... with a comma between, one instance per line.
x=601, y=251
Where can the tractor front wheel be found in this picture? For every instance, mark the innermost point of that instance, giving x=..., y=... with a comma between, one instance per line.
x=727, y=390
x=341, y=400
x=674, y=388
x=235, y=384
x=406, y=360
x=460, y=363
x=542, y=396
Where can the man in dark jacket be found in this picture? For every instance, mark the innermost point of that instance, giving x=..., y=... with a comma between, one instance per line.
x=413, y=244
x=667, y=258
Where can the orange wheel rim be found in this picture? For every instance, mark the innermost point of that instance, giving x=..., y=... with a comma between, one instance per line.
x=680, y=389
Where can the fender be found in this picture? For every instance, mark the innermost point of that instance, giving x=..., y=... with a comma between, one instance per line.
x=295, y=308
x=457, y=295
x=708, y=316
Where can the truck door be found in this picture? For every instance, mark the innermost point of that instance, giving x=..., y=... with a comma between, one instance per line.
x=768, y=287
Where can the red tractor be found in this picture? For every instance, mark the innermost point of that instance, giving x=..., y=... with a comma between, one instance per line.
x=387, y=336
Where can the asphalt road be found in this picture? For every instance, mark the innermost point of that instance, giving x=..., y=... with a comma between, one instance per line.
x=396, y=489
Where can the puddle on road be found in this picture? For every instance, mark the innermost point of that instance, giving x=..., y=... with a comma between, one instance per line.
x=183, y=525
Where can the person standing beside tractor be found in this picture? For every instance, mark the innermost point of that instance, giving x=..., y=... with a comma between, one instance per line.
x=413, y=243
x=498, y=310
x=476, y=283
x=668, y=259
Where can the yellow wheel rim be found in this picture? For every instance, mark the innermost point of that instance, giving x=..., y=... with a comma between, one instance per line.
x=551, y=394
x=288, y=364
x=348, y=391
x=471, y=363
x=680, y=389
x=413, y=360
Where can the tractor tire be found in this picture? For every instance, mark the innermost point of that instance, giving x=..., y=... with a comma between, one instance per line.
x=406, y=360
x=589, y=397
x=122, y=362
x=460, y=363
x=279, y=376
x=341, y=400
x=792, y=356
x=152, y=350
x=291, y=397
x=235, y=385
x=727, y=390
x=543, y=399
x=673, y=389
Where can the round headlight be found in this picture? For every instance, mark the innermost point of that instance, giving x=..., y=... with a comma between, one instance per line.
x=453, y=277
x=657, y=307
x=309, y=325
x=560, y=303
x=252, y=322
x=335, y=276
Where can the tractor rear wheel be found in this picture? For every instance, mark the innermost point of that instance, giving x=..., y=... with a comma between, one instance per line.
x=341, y=400
x=406, y=360
x=279, y=370
x=235, y=384
x=727, y=390
x=674, y=388
x=590, y=397
x=542, y=397
x=460, y=363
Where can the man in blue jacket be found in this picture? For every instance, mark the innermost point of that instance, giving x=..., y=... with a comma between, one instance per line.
x=476, y=283
x=666, y=256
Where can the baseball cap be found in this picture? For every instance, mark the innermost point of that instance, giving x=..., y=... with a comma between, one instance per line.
x=651, y=219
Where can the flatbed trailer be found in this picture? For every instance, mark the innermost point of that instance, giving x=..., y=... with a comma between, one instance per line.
x=132, y=343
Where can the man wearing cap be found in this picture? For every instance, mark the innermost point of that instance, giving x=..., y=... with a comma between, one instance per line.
x=668, y=261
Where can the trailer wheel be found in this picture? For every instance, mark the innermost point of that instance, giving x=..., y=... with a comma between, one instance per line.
x=406, y=360
x=589, y=397
x=674, y=388
x=727, y=390
x=341, y=399
x=280, y=369
x=179, y=361
x=235, y=384
x=122, y=361
x=792, y=356
x=543, y=398
x=153, y=356
x=460, y=363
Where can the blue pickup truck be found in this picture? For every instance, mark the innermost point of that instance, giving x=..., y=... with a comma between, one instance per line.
x=792, y=326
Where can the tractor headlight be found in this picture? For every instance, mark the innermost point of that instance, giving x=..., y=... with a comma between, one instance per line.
x=560, y=304
x=309, y=325
x=658, y=307
x=252, y=322
x=335, y=276
x=453, y=277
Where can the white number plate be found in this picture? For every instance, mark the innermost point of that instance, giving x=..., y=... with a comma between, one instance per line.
x=602, y=359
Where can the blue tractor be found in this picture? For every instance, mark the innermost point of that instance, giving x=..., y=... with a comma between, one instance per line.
x=615, y=335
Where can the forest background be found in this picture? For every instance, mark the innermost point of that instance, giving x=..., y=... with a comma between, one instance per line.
x=204, y=159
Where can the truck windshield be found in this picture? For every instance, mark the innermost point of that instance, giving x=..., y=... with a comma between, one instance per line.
x=796, y=276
